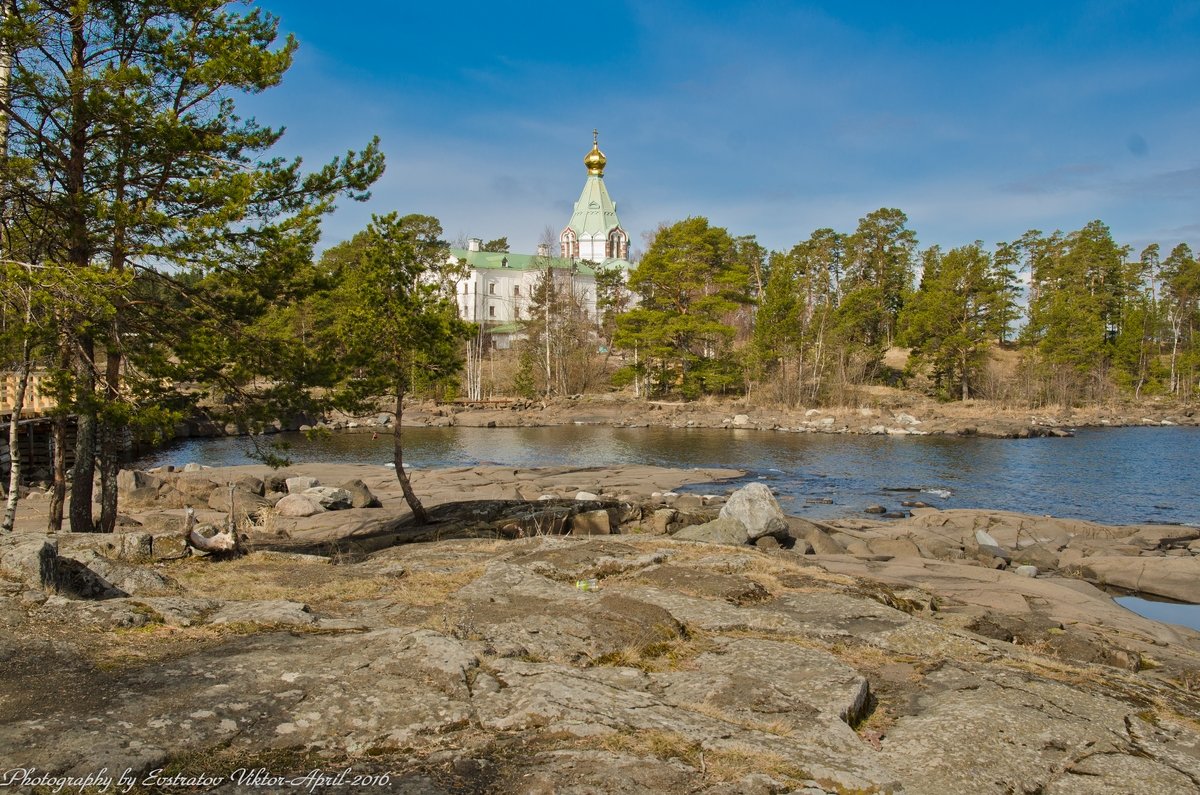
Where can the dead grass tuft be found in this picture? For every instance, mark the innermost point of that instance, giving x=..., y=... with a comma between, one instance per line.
x=660, y=648
x=432, y=588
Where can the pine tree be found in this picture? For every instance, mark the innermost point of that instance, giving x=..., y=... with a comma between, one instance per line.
x=689, y=281
x=957, y=313
x=392, y=324
x=124, y=141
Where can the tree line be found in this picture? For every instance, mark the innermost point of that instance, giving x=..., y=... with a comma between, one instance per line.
x=719, y=315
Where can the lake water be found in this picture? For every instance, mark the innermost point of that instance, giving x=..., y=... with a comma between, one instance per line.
x=1167, y=612
x=1111, y=475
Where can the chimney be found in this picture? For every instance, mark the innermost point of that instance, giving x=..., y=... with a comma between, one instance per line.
x=474, y=244
x=543, y=249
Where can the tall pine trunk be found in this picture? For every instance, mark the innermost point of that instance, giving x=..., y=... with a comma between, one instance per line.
x=79, y=255
x=410, y=497
x=84, y=470
x=111, y=448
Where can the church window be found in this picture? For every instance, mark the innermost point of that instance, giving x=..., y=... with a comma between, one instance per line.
x=516, y=289
x=491, y=288
x=491, y=311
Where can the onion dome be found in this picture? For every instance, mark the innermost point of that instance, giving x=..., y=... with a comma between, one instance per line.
x=595, y=159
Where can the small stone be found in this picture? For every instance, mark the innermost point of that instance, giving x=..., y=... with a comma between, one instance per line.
x=875, y=509
x=1026, y=571
x=585, y=495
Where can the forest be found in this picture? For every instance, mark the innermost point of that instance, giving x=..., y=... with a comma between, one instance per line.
x=705, y=312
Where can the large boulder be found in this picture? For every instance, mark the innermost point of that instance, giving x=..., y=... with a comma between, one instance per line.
x=360, y=495
x=329, y=498
x=722, y=530
x=755, y=507
x=300, y=483
x=298, y=506
x=138, y=489
x=591, y=523
x=194, y=488
x=132, y=479
x=29, y=558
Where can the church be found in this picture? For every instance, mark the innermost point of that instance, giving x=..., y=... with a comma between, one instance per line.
x=497, y=291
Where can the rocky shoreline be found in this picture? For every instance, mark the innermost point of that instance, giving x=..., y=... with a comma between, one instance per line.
x=890, y=412
x=579, y=630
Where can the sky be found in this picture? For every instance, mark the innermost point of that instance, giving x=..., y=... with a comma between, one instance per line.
x=979, y=120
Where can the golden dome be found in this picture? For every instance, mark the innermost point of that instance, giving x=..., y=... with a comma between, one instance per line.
x=595, y=159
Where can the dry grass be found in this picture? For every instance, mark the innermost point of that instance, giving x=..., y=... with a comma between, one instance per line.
x=324, y=587
x=716, y=765
x=658, y=649
x=255, y=578
x=153, y=643
x=860, y=655
x=432, y=588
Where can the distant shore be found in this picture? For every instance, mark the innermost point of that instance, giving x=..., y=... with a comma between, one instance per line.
x=882, y=412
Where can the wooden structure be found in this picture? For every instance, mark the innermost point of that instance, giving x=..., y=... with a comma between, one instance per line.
x=35, y=430
x=37, y=404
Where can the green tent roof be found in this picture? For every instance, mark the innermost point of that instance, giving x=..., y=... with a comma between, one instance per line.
x=595, y=213
x=487, y=260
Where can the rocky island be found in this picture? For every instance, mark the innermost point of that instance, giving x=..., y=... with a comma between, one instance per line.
x=587, y=630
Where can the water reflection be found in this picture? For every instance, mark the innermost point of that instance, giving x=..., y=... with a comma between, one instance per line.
x=1116, y=476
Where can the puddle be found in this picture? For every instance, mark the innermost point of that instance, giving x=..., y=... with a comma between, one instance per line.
x=1167, y=612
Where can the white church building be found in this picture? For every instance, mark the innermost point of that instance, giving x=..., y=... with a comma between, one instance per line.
x=497, y=290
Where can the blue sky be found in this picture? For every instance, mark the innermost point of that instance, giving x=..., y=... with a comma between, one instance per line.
x=979, y=120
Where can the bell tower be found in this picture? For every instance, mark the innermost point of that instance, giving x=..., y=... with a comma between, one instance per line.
x=594, y=233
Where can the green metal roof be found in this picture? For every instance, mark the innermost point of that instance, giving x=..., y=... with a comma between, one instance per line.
x=595, y=213
x=487, y=260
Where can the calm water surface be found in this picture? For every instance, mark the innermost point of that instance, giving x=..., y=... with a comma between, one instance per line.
x=1116, y=476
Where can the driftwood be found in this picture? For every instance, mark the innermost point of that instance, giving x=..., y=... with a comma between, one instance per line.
x=225, y=541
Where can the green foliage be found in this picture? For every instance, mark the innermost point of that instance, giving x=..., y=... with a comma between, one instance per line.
x=166, y=224
x=794, y=324
x=1079, y=290
x=1181, y=297
x=558, y=354
x=957, y=313
x=689, y=281
x=497, y=246
x=878, y=277
x=391, y=318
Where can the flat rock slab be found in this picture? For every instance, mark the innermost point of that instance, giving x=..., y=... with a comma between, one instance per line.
x=624, y=664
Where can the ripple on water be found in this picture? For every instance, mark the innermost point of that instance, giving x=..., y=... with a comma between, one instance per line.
x=1114, y=476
